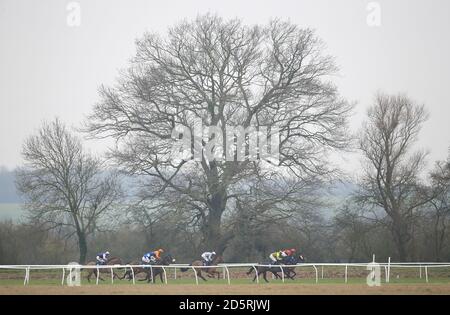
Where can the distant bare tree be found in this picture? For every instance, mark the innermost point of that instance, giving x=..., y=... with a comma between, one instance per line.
x=438, y=208
x=391, y=175
x=64, y=187
x=225, y=74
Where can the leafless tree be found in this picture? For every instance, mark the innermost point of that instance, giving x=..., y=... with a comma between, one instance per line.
x=64, y=187
x=391, y=174
x=438, y=208
x=226, y=74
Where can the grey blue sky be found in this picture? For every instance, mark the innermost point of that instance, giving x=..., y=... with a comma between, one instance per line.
x=49, y=69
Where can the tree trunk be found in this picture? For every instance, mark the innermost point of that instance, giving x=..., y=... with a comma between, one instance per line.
x=401, y=240
x=212, y=232
x=82, y=245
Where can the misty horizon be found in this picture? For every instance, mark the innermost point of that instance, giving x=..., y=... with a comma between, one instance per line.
x=53, y=70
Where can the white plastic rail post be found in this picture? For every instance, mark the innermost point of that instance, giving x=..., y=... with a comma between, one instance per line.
x=27, y=276
x=132, y=274
x=317, y=274
x=389, y=270
x=322, y=272
x=175, y=273
x=426, y=274
x=420, y=271
x=228, y=274
x=195, y=273
x=63, y=275
x=151, y=272
x=282, y=273
x=98, y=275
x=112, y=275
x=346, y=271
x=165, y=275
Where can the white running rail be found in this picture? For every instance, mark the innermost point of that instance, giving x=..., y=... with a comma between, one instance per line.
x=226, y=269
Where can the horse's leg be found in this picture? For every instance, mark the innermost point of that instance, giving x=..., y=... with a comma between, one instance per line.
x=149, y=276
x=153, y=275
x=115, y=275
x=200, y=275
x=294, y=274
x=126, y=274
x=265, y=275
x=100, y=275
x=89, y=276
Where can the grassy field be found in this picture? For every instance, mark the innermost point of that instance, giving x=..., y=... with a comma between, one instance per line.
x=235, y=288
x=405, y=281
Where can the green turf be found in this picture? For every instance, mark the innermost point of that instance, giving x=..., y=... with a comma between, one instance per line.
x=237, y=276
x=172, y=281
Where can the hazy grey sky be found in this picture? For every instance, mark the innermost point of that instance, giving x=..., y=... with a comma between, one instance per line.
x=49, y=69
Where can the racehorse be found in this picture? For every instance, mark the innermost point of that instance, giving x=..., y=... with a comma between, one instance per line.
x=93, y=271
x=289, y=272
x=149, y=271
x=210, y=272
x=274, y=268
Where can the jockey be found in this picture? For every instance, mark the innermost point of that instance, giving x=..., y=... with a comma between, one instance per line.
x=152, y=257
x=277, y=256
x=208, y=258
x=102, y=258
x=289, y=252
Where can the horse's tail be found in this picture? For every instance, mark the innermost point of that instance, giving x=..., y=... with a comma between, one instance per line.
x=185, y=269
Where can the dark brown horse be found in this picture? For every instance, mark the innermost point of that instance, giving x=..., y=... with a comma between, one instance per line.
x=150, y=272
x=111, y=262
x=289, y=272
x=210, y=272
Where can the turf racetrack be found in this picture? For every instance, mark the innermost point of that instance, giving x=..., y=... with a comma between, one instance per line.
x=403, y=281
x=224, y=289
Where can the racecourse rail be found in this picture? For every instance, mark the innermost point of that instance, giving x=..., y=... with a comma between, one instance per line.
x=68, y=269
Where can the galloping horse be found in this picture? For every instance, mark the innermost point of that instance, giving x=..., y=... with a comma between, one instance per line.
x=149, y=271
x=289, y=272
x=93, y=271
x=210, y=272
x=274, y=268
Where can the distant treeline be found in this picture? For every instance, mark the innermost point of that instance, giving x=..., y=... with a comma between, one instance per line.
x=275, y=77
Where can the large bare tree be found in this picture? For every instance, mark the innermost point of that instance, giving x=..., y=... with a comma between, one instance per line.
x=64, y=187
x=438, y=208
x=391, y=179
x=223, y=73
